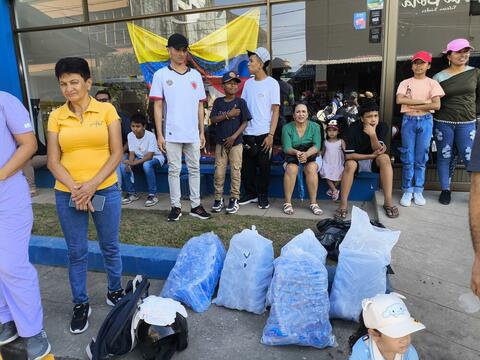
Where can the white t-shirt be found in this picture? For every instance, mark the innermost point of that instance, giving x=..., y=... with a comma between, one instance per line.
x=260, y=96
x=181, y=94
x=148, y=143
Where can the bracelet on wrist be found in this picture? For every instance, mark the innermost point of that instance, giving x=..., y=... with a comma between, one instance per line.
x=270, y=134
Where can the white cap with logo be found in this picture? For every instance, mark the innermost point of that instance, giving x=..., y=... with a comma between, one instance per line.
x=388, y=314
x=261, y=52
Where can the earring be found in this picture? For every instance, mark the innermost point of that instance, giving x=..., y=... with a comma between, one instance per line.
x=449, y=63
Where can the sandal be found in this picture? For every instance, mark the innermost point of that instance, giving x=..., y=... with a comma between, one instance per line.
x=335, y=195
x=316, y=209
x=391, y=211
x=288, y=209
x=341, y=214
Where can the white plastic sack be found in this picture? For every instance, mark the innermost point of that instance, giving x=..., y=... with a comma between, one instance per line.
x=299, y=312
x=308, y=242
x=362, y=264
x=195, y=275
x=247, y=272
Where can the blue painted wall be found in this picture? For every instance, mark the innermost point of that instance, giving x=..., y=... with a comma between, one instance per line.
x=9, y=81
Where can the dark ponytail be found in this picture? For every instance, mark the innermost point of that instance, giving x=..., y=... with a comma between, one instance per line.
x=361, y=331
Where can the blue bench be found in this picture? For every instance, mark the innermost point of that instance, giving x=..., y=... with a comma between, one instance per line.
x=363, y=188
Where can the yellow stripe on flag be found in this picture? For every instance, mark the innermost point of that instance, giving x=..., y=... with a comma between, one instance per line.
x=148, y=46
x=231, y=40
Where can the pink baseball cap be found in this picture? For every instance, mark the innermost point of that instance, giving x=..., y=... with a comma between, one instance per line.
x=457, y=45
x=422, y=55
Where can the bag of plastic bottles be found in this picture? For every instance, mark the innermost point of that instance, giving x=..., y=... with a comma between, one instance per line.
x=362, y=265
x=246, y=273
x=307, y=242
x=197, y=270
x=299, y=312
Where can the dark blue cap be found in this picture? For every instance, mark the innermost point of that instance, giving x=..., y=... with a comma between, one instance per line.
x=231, y=75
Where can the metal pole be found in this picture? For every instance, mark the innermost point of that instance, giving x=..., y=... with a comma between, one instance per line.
x=387, y=89
x=269, y=33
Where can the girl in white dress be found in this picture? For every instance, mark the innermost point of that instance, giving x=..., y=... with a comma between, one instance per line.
x=333, y=159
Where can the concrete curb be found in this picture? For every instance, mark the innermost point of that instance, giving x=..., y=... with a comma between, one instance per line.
x=155, y=262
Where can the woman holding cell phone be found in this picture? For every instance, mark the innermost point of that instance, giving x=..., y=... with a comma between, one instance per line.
x=84, y=150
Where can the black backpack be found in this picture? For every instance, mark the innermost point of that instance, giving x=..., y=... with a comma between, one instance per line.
x=115, y=336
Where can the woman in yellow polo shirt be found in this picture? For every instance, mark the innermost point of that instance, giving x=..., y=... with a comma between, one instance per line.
x=84, y=150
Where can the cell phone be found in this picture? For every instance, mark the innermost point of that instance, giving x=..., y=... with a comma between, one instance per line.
x=98, y=202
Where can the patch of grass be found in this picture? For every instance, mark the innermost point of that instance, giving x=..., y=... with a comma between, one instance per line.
x=150, y=228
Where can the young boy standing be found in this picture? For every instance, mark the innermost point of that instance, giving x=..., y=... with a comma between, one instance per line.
x=262, y=95
x=419, y=97
x=230, y=115
x=142, y=151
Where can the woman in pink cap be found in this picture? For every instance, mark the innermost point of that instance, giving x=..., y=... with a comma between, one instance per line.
x=454, y=123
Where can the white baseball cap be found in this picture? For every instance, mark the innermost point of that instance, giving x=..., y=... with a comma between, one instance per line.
x=388, y=314
x=261, y=52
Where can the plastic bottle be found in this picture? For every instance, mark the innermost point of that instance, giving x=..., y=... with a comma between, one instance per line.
x=301, y=185
x=469, y=302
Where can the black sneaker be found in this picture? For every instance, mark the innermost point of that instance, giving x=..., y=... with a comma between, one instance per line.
x=79, y=323
x=445, y=197
x=247, y=199
x=199, y=212
x=114, y=296
x=263, y=201
x=218, y=205
x=233, y=206
x=175, y=214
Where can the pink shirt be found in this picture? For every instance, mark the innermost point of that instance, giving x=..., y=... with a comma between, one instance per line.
x=419, y=89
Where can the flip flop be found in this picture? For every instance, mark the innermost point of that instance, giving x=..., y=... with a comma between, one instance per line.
x=391, y=211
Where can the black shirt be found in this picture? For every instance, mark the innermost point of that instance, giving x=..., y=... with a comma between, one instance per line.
x=358, y=142
x=474, y=164
x=227, y=127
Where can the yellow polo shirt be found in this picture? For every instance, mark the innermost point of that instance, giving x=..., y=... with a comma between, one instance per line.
x=84, y=146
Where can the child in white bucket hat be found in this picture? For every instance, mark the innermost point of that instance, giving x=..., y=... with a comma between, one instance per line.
x=385, y=330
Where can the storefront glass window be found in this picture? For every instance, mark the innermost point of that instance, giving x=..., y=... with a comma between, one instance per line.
x=31, y=13
x=123, y=56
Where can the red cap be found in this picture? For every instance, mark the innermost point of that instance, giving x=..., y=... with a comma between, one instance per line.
x=422, y=55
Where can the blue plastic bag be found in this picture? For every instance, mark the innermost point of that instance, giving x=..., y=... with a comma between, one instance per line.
x=299, y=312
x=246, y=273
x=195, y=275
x=362, y=265
x=307, y=242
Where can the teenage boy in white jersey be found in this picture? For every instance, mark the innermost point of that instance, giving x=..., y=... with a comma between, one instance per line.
x=178, y=93
x=262, y=94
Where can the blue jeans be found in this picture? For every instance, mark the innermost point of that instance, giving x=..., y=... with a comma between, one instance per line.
x=119, y=171
x=447, y=136
x=75, y=229
x=149, y=168
x=416, y=137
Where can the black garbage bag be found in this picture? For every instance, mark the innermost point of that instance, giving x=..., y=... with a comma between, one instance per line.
x=331, y=233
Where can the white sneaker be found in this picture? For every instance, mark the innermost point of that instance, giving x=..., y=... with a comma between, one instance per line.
x=419, y=199
x=406, y=199
x=151, y=200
